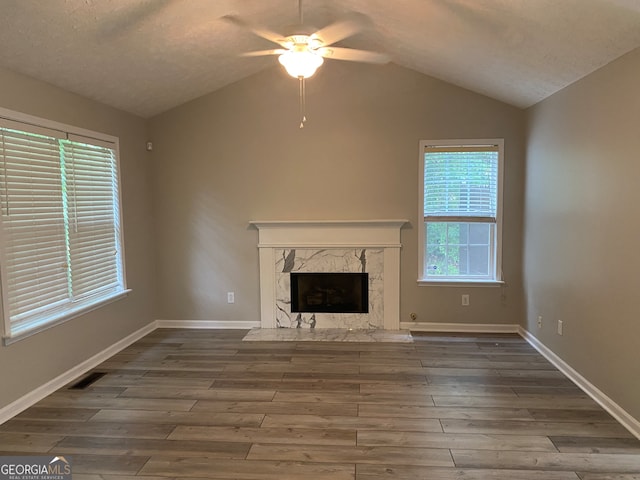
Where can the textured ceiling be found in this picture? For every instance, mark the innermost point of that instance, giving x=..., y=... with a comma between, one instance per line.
x=147, y=56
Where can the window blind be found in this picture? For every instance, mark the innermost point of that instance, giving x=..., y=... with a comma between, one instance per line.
x=33, y=223
x=461, y=182
x=93, y=218
x=60, y=224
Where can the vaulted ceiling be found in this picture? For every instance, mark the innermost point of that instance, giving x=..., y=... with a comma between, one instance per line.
x=147, y=56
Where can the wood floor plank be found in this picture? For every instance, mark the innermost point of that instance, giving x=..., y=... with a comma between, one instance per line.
x=404, y=472
x=28, y=442
x=146, y=447
x=306, y=386
x=524, y=391
x=497, y=381
x=584, y=462
x=460, y=441
x=220, y=394
x=387, y=378
x=596, y=445
x=359, y=423
x=373, y=360
x=529, y=372
x=277, y=407
x=208, y=356
x=571, y=415
x=108, y=464
x=291, y=368
x=436, y=457
x=91, y=391
x=84, y=429
x=57, y=414
x=487, y=364
x=381, y=398
x=179, y=418
x=297, y=436
x=118, y=403
x=441, y=371
x=255, y=376
x=164, y=365
x=581, y=429
x=204, y=375
x=402, y=389
x=216, y=469
x=543, y=402
x=173, y=381
x=413, y=411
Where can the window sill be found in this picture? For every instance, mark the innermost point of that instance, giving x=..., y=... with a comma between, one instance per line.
x=461, y=283
x=69, y=315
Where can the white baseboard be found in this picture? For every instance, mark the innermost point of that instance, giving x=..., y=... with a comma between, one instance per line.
x=34, y=396
x=459, y=327
x=615, y=410
x=211, y=324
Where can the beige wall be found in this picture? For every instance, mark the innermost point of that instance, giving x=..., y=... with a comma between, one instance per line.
x=238, y=155
x=31, y=362
x=582, y=227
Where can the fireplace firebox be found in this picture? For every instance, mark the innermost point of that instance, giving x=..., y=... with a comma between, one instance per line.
x=340, y=292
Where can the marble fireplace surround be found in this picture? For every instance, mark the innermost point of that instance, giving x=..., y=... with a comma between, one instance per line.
x=335, y=239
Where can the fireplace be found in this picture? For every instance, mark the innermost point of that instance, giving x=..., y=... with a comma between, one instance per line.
x=328, y=292
x=370, y=247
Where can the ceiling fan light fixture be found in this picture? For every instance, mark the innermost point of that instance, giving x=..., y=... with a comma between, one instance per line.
x=300, y=62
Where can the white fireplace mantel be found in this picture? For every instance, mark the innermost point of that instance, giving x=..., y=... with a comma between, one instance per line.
x=327, y=234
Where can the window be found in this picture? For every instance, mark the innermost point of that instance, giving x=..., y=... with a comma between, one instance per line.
x=60, y=214
x=460, y=192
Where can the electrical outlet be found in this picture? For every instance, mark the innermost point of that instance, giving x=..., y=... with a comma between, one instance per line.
x=231, y=297
x=465, y=300
x=539, y=321
x=559, y=327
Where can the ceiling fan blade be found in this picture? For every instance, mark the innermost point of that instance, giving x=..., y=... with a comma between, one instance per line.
x=260, y=53
x=340, y=30
x=259, y=31
x=353, y=55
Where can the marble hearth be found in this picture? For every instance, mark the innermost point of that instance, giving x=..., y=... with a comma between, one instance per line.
x=371, y=246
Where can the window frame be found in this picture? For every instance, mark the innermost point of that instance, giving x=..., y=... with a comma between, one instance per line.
x=35, y=124
x=497, y=279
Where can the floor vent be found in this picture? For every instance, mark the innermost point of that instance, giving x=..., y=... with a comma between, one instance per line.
x=87, y=381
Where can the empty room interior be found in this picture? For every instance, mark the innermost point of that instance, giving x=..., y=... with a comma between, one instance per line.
x=321, y=239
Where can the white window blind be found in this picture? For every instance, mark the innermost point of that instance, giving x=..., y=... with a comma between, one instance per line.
x=34, y=232
x=461, y=182
x=60, y=217
x=93, y=218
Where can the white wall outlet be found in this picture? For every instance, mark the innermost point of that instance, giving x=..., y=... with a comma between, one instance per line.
x=465, y=300
x=231, y=297
x=539, y=321
x=559, y=327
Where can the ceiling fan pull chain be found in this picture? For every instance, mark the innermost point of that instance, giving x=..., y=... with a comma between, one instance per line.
x=304, y=100
x=303, y=117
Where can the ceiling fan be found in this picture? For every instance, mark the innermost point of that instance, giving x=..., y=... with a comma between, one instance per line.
x=304, y=49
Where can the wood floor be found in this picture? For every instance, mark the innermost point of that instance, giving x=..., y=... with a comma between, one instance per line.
x=183, y=404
